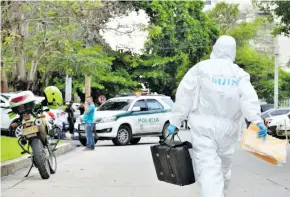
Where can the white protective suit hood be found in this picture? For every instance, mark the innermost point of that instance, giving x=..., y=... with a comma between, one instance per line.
x=224, y=48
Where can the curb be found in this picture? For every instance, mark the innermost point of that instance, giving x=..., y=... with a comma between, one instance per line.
x=11, y=166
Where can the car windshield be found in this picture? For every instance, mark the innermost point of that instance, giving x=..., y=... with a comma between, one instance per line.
x=115, y=105
x=6, y=96
x=266, y=107
x=266, y=114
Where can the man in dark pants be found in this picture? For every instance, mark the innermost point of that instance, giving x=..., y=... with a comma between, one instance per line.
x=89, y=123
x=70, y=117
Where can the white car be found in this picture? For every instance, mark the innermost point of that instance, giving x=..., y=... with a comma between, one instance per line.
x=77, y=112
x=276, y=125
x=5, y=120
x=282, y=126
x=125, y=120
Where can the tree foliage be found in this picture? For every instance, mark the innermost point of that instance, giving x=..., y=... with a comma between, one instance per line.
x=277, y=10
x=60, y=38
x=225, y=15
x=180, y=34
x=44, y=41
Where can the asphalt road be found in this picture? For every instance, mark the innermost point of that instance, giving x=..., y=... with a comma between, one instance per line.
x=112, y=171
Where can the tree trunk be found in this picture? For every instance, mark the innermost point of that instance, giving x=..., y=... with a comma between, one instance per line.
x=33, y=68
x=20, y=50
x=4, y=83
x=87, y=86
x=20, y=29
x=14, y=71
x=32, y=74
x=46, y=81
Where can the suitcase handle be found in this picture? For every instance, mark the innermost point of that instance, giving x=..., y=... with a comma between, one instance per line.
x=185, y=143
x=172, y=138
x=162, y=142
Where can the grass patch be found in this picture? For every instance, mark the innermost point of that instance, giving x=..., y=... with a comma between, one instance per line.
x=10, y=148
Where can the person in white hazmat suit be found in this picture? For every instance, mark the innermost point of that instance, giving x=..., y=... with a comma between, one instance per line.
x=215, y=95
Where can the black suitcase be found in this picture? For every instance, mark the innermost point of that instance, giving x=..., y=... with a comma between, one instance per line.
x=173, y=163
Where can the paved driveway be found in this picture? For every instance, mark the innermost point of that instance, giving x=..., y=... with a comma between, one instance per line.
x=112, y=171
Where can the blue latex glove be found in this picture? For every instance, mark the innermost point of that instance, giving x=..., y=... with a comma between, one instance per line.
x=171, y=129
x=263, y=130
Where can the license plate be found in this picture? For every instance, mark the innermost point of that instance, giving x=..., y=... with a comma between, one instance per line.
x=30, y=130
x=31, y=135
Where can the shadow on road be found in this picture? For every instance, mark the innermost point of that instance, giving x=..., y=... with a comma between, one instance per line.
x=112, y=145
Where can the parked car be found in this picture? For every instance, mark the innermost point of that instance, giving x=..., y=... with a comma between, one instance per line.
x=275, y=112
x=125, y=120
x=275, y=122
x=266, y=107
x=6, y=122
x=282, y=126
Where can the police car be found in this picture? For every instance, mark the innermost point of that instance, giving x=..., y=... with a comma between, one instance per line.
x=124, y=120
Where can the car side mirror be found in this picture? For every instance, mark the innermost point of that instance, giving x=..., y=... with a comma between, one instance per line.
x=136, y=109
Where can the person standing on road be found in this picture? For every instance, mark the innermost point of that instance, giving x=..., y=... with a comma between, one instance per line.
x=89, y=122
x=215, y=95
x=70, y=111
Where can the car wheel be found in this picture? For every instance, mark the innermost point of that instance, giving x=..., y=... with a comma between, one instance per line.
x=15, y=132
x=83, y=141
x=124, y=136
x=135, y=141
x=18, y=132
x=12, y=132
x=164, y=131
x=273, y=130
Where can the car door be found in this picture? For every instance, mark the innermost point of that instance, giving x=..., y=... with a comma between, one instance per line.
x=156, y=116
x=140, y=118
x=77, y=112
x=5, y=120
x=288, y=123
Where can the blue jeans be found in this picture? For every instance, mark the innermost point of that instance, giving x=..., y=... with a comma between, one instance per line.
x=89, y=134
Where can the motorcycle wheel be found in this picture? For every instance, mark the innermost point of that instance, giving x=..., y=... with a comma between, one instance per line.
x=52, y=161
x=39, y=158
